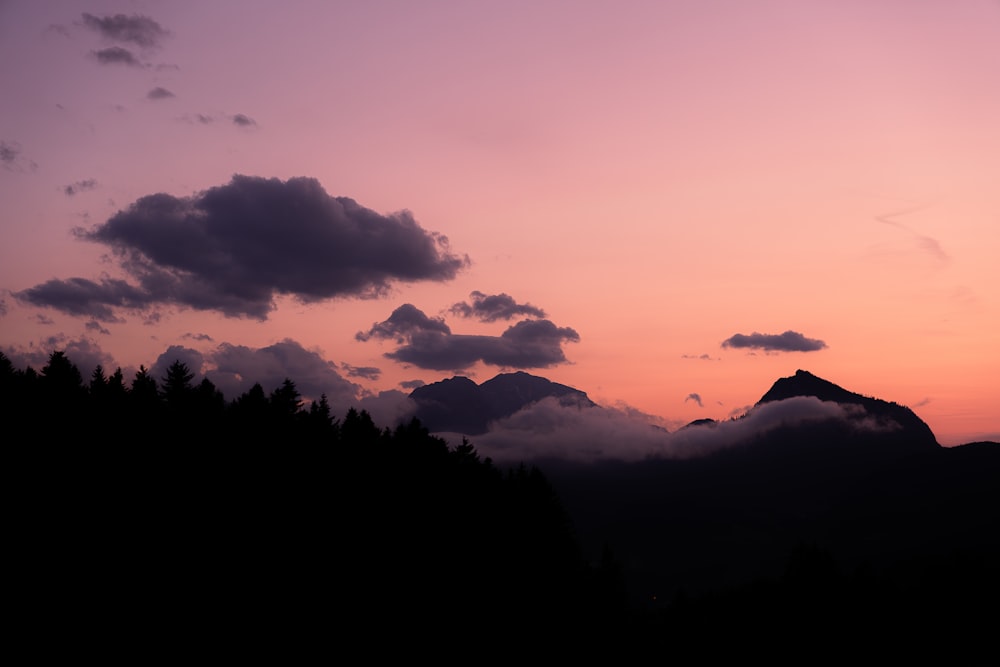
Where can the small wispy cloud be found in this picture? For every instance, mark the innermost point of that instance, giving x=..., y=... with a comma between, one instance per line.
x=116, y=55
x=926, y=243
x=79, y=186
x=694, y=397
x=364, y=372
x=159, y=93
x=136, y=29
x=12, y=158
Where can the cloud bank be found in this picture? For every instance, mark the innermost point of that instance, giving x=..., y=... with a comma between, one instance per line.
x=790, y=341
x=549, y=430
x=234, y=248
x=429, y=343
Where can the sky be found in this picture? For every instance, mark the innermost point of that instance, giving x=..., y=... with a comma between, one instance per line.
x=668, y=205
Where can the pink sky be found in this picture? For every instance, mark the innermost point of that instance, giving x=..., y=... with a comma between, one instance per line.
x=655, y=176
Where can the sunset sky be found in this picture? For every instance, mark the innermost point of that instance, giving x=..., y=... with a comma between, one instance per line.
x=665, y=204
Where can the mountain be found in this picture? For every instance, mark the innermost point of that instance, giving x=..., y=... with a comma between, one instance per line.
x=866, y=484
x=890, y=415
x=460, y=405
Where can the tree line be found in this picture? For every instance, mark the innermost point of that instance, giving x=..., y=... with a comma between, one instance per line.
x=269, y=510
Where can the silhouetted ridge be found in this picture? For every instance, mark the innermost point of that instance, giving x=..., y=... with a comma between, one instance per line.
x=456, y=404
x=460, y=405
x=509, y=392
x=705, y=421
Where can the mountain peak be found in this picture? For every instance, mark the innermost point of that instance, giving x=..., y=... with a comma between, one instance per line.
x=803, y=383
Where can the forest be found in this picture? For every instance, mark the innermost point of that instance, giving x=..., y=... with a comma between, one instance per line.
x=156, y=509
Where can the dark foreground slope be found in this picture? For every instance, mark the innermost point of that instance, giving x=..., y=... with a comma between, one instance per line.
x=839, y=530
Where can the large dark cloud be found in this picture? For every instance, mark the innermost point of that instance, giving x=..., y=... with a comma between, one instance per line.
x=790, y=341
x=236, y=247
x=429, y=343
x=493, y=307
x=136, y=29
x=116, y=55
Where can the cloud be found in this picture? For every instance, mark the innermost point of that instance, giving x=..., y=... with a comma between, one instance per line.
x=403, y=323
x=197, y=336
x=83, y=352
x=116, y=55
x=412, y=384
x=86, y=298
x=96, y=327
x=79, y=186
x=193, y=359
x=790, y=341
x=243, y=120
x=493, y=307
x=702, y=357
x=386, y=408
x=236, y=368
x=550, y=430
x=694, y=397
x=12, y=159
x=3, y=307
x=926, y=243
x=429, y=343
x=933, y=247
x=236, y=247
x=136, y=29
x=159, y=93
x=366, y=372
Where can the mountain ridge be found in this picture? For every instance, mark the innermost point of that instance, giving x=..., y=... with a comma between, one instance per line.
x=458, y=404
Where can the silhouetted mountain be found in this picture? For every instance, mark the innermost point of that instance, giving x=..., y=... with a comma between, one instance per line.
x=868, y=487
x=889, y=415
x=460, y=405
x=701, y=422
